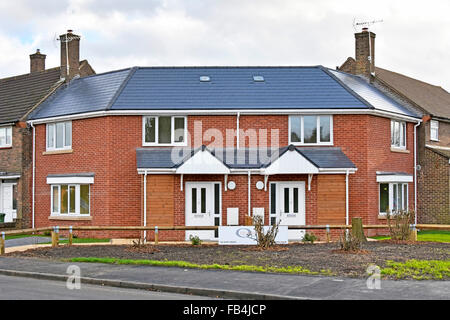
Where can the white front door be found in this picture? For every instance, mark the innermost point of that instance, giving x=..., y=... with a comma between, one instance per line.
x=202, y=208
x=290, y=206
x=7, y=201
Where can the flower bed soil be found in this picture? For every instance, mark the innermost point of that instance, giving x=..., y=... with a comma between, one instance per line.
x=315, y=257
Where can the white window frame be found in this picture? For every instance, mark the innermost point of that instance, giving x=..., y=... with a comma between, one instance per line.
x=434, y=127
x=77, y=201
x=326, y=143
x=403, y=133
x=391, y=196
x=53, y=147
x=8, y=134
x=172, y=133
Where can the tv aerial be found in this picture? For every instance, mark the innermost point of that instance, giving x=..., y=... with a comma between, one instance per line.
x=364, y=24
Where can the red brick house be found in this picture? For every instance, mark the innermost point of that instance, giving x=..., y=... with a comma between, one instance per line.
x=212, y=145
x=433, y=134
x=19, y=95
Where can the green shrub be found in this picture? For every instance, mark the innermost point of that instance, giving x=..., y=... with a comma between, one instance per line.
x=195, y=240
x=309, y=238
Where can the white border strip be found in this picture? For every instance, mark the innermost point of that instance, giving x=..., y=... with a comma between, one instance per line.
x=70, y=180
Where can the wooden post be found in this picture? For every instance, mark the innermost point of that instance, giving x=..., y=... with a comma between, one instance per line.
x=156, y=234
x=413, y=233
x=2, y=244
x=357, y=229
x=55, y=237
x=70, y=236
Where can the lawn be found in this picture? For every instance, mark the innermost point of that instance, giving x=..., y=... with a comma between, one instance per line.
x=19, y=236
x=426, y=235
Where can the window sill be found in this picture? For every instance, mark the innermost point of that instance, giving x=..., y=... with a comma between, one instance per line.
x=382, y=217
x=399, y=150
x=70, y=218
x=6, y=147
x=57, y=151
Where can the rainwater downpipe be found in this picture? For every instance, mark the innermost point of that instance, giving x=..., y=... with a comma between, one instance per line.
x=415, y=171
x=346, y=198
x=145, y=205
x=34, y=176
x=238, y=115
x=249, y=193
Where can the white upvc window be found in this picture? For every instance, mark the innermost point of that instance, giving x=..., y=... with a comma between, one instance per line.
x=393, y=197
x=311, y=130
x=398, y=134
x=70, y=200
x=59, y=135
x=5, y=137
x=434, y=130
x=164, y=131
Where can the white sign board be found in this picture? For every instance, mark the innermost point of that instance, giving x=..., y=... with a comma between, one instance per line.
x=246, y=235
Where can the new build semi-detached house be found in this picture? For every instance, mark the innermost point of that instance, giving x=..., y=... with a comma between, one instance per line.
x=206, y=146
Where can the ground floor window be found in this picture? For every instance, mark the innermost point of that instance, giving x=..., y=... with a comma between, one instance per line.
x=393, y=197
x=70, y=199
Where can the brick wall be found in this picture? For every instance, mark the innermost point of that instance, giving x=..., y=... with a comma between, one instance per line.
x=434, y=184
x=18, y=159
x=107, y=147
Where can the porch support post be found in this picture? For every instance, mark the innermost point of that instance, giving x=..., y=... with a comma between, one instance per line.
x=181, y=182
x=266, y=178
x=310, y=176
x=225, y=182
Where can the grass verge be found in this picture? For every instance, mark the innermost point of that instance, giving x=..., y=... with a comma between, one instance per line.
x=184, y=264
x=19, y=236
x=418, y=269
x=425, y=235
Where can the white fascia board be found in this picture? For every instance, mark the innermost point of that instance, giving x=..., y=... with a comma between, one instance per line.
x=9, y=177
x=70, y=180
x=156, y=170
x=203, y=162
x=395, y=178
x=381, y=113
x=338, y=170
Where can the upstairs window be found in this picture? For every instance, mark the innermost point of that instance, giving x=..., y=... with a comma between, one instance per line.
x=164, y=130
x=310, y=130
x=434, y=130
x=59, y=135
x=398, y=134
x=5, y=137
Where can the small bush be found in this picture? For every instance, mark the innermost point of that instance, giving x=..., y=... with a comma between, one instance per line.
x=399, y=224
x=348, y=242
x=309, y=238
x=195, y=240
x=265, y=240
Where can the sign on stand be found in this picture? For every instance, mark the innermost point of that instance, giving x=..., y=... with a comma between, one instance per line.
x=246, y=235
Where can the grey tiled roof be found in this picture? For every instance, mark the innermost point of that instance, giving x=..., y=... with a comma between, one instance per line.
x=21, y=93
x=166, y=158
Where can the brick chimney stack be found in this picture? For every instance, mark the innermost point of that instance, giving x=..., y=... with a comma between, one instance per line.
x=365, y=52
x=37, y=61
x=70, y=55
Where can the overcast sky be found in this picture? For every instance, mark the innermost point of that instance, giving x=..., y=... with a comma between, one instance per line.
x=413, y=39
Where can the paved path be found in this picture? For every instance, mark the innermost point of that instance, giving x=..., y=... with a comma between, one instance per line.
x=282, y=285
x=18, y=288
x=26, y=241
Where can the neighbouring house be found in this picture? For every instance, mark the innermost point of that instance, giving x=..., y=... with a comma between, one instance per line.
x=433, y=134
x=18, y=96
x=205, y=146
